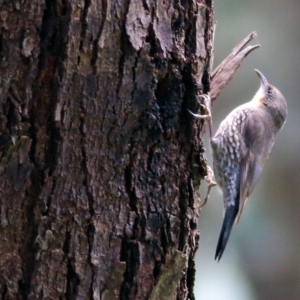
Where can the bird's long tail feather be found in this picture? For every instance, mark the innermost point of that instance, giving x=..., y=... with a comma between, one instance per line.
x=230, y=215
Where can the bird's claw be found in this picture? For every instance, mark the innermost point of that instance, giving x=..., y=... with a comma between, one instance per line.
x=211, y=183
x=207, y=108
x=206, y=105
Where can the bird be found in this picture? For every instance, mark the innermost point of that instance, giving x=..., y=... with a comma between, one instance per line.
x=240, y=148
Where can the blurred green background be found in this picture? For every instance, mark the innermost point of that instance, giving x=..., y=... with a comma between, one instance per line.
x=262, y=258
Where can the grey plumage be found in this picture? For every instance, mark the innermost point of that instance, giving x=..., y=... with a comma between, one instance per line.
x=241, y=146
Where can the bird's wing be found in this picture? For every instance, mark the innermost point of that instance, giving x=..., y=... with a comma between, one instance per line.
x=253, y=143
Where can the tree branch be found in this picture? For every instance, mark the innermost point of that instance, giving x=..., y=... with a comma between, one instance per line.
x=228, y=67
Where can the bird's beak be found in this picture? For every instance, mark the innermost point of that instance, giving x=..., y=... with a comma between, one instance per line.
x=263, y=80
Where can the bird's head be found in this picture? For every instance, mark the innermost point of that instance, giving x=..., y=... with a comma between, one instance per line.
x=272, y=99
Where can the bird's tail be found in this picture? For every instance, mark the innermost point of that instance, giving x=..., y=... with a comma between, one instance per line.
x=230, y=215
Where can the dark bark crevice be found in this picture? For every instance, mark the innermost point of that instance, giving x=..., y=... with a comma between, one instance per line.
x=96, y=40
x=84, y=23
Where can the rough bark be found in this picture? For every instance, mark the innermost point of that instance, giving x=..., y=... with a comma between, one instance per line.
x=100, y=161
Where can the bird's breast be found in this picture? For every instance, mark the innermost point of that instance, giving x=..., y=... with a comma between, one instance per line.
x=227, y=146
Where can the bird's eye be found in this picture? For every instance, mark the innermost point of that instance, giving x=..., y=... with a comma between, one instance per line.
x=270, y=91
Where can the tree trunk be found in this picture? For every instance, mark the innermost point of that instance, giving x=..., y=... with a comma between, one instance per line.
x=100, y=161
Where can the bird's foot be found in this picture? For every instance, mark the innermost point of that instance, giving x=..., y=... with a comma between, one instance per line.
x=207, y=116
x=211, y=183
x=207, y=108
